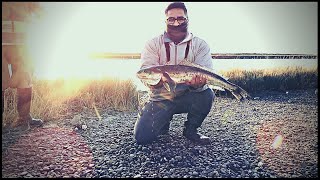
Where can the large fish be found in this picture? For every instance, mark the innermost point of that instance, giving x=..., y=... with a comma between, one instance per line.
x=183, y=72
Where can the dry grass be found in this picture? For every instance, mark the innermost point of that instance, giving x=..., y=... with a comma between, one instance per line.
x=280, y=79
x=58, y=99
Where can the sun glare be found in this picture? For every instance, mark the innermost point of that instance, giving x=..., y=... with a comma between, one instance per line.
x=61, y=50
x=66, y=54
x=62, y=40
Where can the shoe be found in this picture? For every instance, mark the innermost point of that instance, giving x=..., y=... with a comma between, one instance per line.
x=192, y=134
x=36, y=122
x=22, y=124
x=24, y=107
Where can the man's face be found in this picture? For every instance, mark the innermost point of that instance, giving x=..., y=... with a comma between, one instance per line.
x=176, y=17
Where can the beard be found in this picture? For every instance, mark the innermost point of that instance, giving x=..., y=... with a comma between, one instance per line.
x=177, y=33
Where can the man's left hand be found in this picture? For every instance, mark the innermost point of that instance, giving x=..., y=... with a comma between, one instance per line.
x=197, y=81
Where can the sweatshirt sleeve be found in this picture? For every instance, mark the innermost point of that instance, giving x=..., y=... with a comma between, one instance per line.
x=150, y=56
x=203, y=55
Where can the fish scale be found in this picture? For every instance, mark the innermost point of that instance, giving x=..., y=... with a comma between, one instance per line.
x=183, y=72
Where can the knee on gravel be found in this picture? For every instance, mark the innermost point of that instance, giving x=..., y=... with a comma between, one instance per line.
x=143, y=138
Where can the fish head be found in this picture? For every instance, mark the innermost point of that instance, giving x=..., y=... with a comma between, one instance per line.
x=149, y=75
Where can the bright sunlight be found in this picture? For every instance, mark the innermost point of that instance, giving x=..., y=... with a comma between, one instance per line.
x=61, y=43
x=61, y=47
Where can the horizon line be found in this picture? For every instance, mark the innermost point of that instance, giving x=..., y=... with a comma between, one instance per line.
x=108, y=55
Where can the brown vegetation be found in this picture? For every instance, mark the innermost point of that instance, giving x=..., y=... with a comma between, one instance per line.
x=58, y=99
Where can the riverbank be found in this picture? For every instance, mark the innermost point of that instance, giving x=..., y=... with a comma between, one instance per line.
x=245, y=143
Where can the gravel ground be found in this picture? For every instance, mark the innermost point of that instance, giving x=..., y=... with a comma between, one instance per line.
x=275, y=135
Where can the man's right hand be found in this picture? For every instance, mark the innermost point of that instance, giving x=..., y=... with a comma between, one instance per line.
x=197, y=81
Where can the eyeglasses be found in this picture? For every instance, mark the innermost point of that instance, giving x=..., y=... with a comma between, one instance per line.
x=180, y=19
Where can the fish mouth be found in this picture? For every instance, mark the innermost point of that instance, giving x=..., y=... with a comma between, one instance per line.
x=151, y=79
x=141, y=75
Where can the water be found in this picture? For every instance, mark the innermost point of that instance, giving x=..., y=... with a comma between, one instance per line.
x=257, y=64
x=126, y=69
x=131, y=66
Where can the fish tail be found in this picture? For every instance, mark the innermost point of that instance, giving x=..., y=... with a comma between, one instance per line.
x=244, y=93
x=237, y=95
x=240, y=93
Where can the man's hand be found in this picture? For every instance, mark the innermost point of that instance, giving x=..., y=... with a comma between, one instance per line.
x=197, y=81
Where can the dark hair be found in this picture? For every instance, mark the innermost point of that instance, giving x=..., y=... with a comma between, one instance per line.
x=179, y=5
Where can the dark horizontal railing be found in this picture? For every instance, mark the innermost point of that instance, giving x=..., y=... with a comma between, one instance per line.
x=216, y=56
x=263, y=56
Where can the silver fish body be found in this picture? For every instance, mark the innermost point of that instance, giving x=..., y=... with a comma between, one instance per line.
x=184, y=72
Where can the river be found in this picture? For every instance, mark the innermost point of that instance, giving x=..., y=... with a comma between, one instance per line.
x=126, y=69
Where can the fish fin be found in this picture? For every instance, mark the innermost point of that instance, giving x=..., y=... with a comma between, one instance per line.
x=186, y=62
x=167, y=77
x=167, y=86
x=210, y=71
x=170, y=86
x=169, y=83
x=173, y=86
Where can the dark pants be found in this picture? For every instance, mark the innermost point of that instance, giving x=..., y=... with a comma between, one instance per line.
x=156, y=115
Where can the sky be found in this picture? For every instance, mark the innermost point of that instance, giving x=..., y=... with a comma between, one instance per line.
x=68, y=32
x=228, y=27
